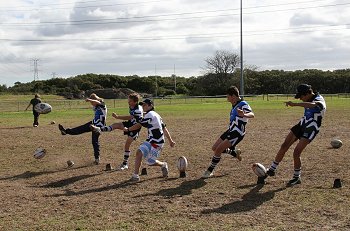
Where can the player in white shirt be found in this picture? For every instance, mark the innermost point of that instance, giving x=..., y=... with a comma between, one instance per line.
x=152, y=147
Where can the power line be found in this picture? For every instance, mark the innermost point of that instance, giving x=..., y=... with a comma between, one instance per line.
x=76, y=7
x=112, y=20
x=192, y=36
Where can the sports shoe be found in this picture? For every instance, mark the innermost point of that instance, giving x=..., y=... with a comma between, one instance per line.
x=95, y=129
x=97, y=161
x=35, y=125
x=235, y=153
x=294, y=181
x=135, y=178
x=165, y=169
x=270, y=172
x=238, y=154
x=207, y=174
x=123, y=167
x=63, y=131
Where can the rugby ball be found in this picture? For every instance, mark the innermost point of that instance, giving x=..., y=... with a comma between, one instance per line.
x=43, y=108
x=39, y=153
x=182, y=164
x=336, y=143
x=259, y=169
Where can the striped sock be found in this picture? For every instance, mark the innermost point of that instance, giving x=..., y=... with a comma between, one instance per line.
x=126, y=157
x=214, y=161
x=274, y=166
x=297, y=173
x=107, y=128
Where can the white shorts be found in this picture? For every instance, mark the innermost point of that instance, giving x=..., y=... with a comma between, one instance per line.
x=150, y=151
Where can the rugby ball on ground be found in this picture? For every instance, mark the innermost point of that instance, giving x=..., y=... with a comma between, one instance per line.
x=39, y=153
x=336, y=143
x=182, y=164
x=259, y=169
x=43, y=108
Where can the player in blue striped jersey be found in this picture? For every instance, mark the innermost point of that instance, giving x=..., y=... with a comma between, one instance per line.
x=305, y=131
x=134, y=117
x=152, y=147
x=99, y=120
x=239, y=116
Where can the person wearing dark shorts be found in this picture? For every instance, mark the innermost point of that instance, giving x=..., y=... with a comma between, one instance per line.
x=134, y=117
x=36, y=115
x=305, y=131
x=227, y=142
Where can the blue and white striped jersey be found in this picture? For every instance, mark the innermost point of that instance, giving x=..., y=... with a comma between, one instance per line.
x=100, y=115
x=313, y=116
x=136, y=113
x=154, y=123
x=238, y=123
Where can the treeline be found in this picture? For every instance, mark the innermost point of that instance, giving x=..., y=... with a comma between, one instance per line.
x=256, y=82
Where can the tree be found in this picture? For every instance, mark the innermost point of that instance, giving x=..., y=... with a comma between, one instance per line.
x=223, y=62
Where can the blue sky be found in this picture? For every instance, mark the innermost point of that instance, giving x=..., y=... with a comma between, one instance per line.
x=170, y=36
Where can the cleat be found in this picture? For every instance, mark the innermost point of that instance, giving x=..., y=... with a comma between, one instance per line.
x=294, y=181
x=270, y=172
x=123, y=167
x=207, y=174
x=135, y=178
x=95, y=129
x=165, y=170
x=61, y=128
x=97, y=161
x=238, y=154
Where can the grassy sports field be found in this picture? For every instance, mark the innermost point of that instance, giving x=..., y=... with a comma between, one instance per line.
x=46, y=195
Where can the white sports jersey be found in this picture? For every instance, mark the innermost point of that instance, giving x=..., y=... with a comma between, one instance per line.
x=153, y=122
x=137, y=113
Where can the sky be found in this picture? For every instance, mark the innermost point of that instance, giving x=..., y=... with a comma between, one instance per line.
x=65, y=38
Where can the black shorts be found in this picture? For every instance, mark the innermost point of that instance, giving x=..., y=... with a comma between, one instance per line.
x=233, y=136
x=134, y=134
x=304, y=132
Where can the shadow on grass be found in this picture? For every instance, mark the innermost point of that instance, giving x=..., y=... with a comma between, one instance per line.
x=250, y=201
x=185, y=188
x=68, y=181
x=13, y=128
x=30, y=174
x=122, y=184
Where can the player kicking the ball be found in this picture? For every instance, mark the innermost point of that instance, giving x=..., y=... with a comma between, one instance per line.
x=306, y=130
x=134, y=117
x=152, y=147
x=239, y=115
x=100, y=110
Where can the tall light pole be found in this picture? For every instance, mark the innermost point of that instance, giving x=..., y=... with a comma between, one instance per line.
x=242, y=78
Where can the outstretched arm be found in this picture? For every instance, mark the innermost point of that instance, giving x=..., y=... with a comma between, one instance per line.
x=127, y=117
x=27, y=106
x=168, y=136
x=301, y=104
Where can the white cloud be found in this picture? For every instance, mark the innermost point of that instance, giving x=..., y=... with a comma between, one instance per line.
x=152, y=36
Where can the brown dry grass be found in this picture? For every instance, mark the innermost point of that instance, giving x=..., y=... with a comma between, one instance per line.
x=46, y=195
